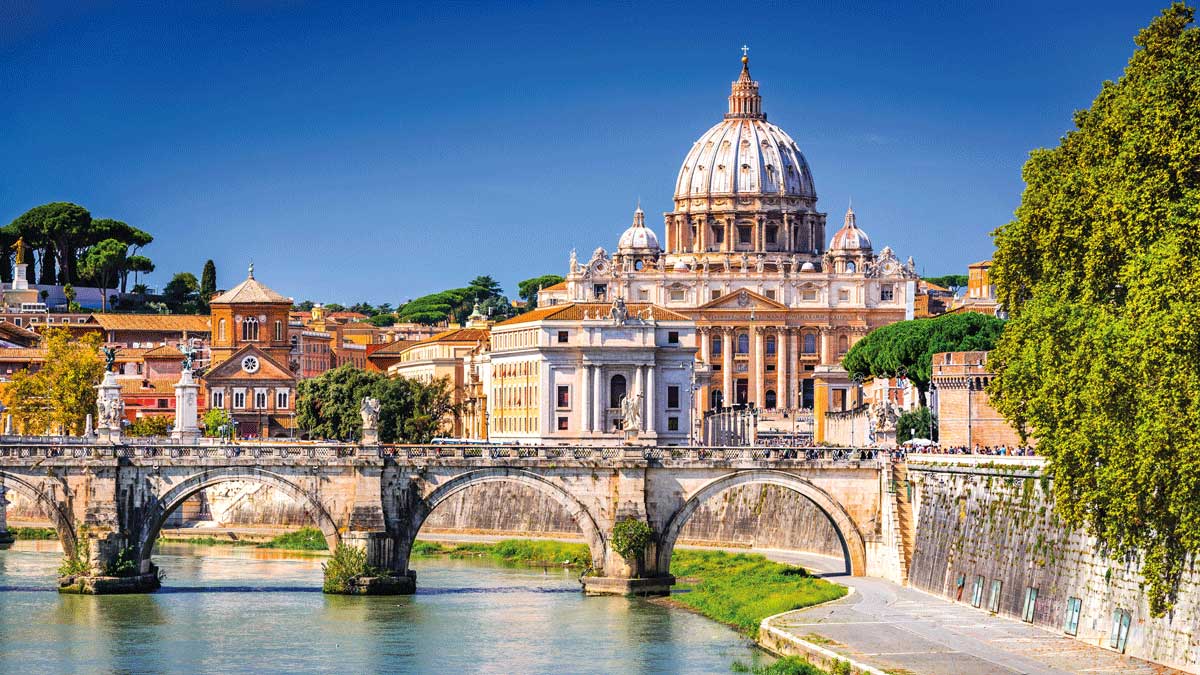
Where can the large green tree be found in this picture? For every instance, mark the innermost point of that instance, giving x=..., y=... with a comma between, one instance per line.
x=103, y=264
x=527, y=290
x=907, y=347
x=182, y=293
x=1101, y=357
x=60, y=229
x=327, y=406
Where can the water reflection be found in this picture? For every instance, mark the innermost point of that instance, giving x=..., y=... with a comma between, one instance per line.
x=232, y=609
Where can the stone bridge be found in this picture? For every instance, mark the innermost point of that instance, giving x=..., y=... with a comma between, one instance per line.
x=115, y=497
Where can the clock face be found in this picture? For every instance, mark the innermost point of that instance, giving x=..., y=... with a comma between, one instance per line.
x=250, y=364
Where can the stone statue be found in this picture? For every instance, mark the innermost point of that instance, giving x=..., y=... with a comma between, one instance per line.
x=21, y=248
x=110, y=412
x=759, y=265
x=662, y=263
x=618, y=313
x=370, y=412
x=795, y=264
x=745, y=262
x=631, y=413
x=110, y=357
x=883, y=416
x=574, y=262
x=728, y=269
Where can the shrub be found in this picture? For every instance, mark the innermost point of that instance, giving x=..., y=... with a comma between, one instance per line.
x=150, y=425
x=630, y=537
x=304, y=539
x=347, y=564
x=124, y=566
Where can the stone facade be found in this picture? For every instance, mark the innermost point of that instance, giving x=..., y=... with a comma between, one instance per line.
x=997, y=525
x=964, y=412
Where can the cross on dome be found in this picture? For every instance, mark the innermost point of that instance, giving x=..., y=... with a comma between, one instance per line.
x=745, y=51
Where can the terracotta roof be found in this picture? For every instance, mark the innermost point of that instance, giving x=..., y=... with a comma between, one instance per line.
x=357, y=316
x=163, y=352
x=560, y=286
x=192, y=323
x=23, y=353
x=156, y=386
x=981, y=263
x=930, y=286
x=577, y=311
x=250, y=291
x=391, y=348
x=463, y=335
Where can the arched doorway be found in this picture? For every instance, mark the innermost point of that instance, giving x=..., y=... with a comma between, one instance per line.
x=854, y=549
x=770, y=399
x=156, y=514
x=715, y=399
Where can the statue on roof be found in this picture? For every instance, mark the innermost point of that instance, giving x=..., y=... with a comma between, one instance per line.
x=574, y=262
x=618, y=313
x=110, y=357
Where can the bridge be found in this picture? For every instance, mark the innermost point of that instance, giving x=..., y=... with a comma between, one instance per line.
x=111, y=498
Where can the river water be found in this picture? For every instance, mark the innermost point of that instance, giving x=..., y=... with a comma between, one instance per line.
x=227, y=609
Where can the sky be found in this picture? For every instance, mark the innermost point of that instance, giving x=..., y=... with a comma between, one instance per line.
x=379, y=152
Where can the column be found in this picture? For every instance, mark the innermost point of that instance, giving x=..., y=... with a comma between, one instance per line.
x=650, y=400
x=597, y=401
x=585, y=399
x=637, y=389
x=825, y=345
x=781, y=369
x=794, y=365
x=758, y=368
x=729, y=246
x=789, y=244
x=726, y=366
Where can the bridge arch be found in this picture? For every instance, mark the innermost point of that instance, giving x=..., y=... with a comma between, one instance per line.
x=60, y=516
x=157, y=514
x=854, y=547
x=592, y=533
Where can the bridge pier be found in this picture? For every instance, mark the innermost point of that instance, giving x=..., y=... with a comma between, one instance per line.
x=6, y=538
x=641, y=575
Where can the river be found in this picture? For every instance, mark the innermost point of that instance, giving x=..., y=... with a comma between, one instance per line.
x=231, y=609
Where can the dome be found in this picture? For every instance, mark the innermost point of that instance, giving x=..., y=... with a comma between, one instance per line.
x=745, y=154
x=808, y=267
x=638, y=238
x=850, y=238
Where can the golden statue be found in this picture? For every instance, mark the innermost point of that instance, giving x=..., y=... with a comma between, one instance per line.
x=21, y=249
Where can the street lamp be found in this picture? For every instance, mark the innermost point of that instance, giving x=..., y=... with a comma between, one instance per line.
x=858, y=380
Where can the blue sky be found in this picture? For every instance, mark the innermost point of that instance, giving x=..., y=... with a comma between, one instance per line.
x=382, y=151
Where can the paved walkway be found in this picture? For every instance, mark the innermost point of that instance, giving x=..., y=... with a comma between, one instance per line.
x=903, y=630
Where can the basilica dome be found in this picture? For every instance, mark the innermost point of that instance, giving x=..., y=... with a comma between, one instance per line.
x=638, y=238
x=744, y=154
x=850, y=238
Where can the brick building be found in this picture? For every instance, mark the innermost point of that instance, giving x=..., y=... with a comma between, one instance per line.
x=965, y=415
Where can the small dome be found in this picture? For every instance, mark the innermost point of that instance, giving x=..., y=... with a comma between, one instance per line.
x=638, y=238
x=808, y=267
x=850, y=238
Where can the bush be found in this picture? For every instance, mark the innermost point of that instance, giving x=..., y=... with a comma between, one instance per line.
x=630, y=537
x=151, y=425
x=347, y=564
x=788, y=665
x=124, y=566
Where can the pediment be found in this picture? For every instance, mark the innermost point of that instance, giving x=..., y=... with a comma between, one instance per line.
x=231, y=368
x=745, y=300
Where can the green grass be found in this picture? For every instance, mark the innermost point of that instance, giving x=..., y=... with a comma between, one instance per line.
x=742, y=589
x=788, y=665
x=207, y=541
x=29, y=533
x=304, y=539
x=535, y=552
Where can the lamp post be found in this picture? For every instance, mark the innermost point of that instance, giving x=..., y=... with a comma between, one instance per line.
x=858, y=380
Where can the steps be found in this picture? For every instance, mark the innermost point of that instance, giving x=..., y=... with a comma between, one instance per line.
x=904, y=515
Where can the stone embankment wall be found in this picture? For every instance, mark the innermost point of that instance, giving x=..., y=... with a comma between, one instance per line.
x=994, y=523
x=763, y=516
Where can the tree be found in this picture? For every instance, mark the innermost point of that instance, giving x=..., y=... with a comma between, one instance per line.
x=60, y=228
x=182, y=293
x=382, y=320
x=483, y=287
x=527, y=290
x=150, y=425
x=138, y=264
x=1101, y=357
x=327, y=406
x=908, y=346
x=432, y=309
x=59, y=396
x=916, y=423
x=70, y=295
x=102, y=264
x=215, y=421
x=949, y=281
x=208, y=282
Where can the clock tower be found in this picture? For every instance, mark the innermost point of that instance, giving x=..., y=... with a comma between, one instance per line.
x=250, y=314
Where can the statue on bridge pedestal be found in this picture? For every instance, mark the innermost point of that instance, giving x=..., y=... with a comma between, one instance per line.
x=631, y=416
x=369, y=409
x=110, y=357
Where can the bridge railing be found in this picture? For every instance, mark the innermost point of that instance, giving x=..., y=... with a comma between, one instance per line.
x=43, y=447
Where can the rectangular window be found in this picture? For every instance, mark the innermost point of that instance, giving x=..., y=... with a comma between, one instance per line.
x=562, y=424
x=808, y=294
x=743, y=235
x=887, y=292
x=599, y=291
x=672, y=424
x=673, y=337
x=643, y=293
x=770, y=235
x=239, y=399
x=673, y=397
x=977, y=592
x=564, y=396
x=843, y=295
x=714, y=294
x=677, y=295
x=281, y=399
x=770, y=293
x=563, y=337
x=1071, y=622
x=994, y=601
x=1120, y=630
x=715, y=346
x=162, y=404
x=1031, y=594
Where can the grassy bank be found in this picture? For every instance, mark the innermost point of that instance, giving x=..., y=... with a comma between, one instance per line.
x=742, y=589
x=533, y=552
x=32, y=533
x=304, y=539
x=788, y=665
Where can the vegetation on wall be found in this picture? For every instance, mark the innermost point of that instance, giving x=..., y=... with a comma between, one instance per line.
x=908, y=346
x=1101, y=357
x=916, y=423
x=328, y=406
x=59, y=396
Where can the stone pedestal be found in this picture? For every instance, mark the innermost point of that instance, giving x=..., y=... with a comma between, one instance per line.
x=625, y=586
x=187, y=394
x=20, y=292
x=370, y=436
x=108, y=400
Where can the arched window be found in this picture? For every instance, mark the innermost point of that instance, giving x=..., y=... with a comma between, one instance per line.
x=616, y=391
x=715, y=344
x=770, y=341
x=810, y=343
x=250, y=329
x=278, y=330
x=770, y=399
x=743, y=346
x=850, y=267
x=843, y=344
x=714, y=399
x=221, y=330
